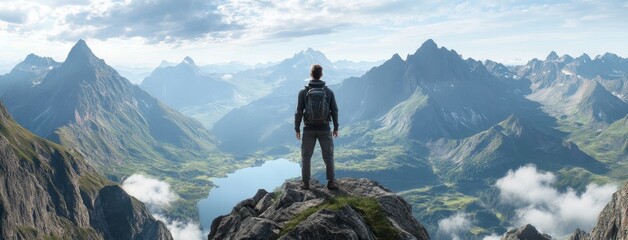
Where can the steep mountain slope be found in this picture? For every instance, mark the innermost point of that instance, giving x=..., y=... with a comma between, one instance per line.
x=586, y=96
x=48, y=192
x=185, y=85
x=86, y=105
x=509, y=145
x=612, y=223
x=596, y=104
x=581, y=90
x=433, y=94
x=26, y=74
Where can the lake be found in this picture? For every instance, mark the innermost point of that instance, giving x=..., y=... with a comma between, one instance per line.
x=243, y=184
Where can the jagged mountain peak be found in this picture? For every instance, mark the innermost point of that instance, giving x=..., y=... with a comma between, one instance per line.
x=610, y=57
x=34, y=62
x=596, y=103
x=188, y=60
x=440, y=64
x=526, y=232
x=429, y=44
x=566, y=58
x=395, y=58
x=32, y=58
x=311, y=53
x=80, y=52
x=513, y=125
x=584, y=58
x=594, y=88
x=305, y=58
x=429, y=49
x=165, y=64
x=553, y=56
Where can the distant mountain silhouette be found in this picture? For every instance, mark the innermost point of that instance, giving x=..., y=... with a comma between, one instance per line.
x=186, y=85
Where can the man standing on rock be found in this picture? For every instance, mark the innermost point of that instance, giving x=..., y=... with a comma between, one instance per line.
x=316, y=106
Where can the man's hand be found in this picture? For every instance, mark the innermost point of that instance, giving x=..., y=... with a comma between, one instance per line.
x=335, y=133
x=298, y=135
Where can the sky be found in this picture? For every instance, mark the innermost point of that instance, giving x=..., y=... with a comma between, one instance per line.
x=142, y=33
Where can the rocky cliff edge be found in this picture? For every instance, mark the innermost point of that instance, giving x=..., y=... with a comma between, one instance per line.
x=360, y=209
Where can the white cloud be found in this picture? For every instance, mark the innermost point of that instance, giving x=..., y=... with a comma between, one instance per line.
x=454, y=225
x=152, y=192
x=181, y=230
x=549, y=210
x=157, y=195
x=492, y=237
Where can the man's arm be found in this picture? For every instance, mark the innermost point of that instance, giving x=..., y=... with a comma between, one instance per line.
x=333, y=108
x=298, y=115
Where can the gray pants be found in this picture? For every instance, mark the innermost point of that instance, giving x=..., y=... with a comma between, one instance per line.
x=308, y=143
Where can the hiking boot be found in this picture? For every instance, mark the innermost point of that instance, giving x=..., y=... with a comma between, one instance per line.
x=305, y=186
x=331, y=185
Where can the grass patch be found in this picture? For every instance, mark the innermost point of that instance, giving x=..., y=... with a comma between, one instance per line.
x=368, y=208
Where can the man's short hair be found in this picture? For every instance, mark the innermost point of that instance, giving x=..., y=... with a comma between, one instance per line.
x=316, y=71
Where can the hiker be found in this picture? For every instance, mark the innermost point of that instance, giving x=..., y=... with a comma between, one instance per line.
x=316, y=106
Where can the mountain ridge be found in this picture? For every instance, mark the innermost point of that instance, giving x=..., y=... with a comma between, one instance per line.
x=50, y=192
x=85, y=105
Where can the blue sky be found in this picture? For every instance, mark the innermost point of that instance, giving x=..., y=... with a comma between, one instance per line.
x=144, y=32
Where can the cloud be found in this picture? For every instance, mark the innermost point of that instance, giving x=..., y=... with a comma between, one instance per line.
x=55, y=3
x=492, y=237
x=157, y=195
x=167, y=21
x=549, y=210
x=453, y=226
x=12, y=16
x=181, y=230
x=152, y=192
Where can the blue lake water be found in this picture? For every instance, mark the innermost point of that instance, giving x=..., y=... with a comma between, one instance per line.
x=243, y=184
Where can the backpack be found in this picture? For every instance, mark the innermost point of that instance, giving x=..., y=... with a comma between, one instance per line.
x=316, y=106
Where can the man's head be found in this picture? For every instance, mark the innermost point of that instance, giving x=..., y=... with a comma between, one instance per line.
x=316, y=72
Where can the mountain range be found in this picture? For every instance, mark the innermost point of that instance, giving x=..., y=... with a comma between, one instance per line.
x=186, y=85
x=436, y=127
x=207, y=93
x=120, y=129
x=453, y=126
x=49, y=192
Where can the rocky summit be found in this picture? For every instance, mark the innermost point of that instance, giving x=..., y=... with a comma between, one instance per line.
x=527, y=232
x=360, y=209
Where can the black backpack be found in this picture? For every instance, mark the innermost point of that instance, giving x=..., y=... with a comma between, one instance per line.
x=316, y=106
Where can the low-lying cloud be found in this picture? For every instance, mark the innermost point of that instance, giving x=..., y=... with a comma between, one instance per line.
x=549, y=210
x=157, y=195
x=455, y=225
